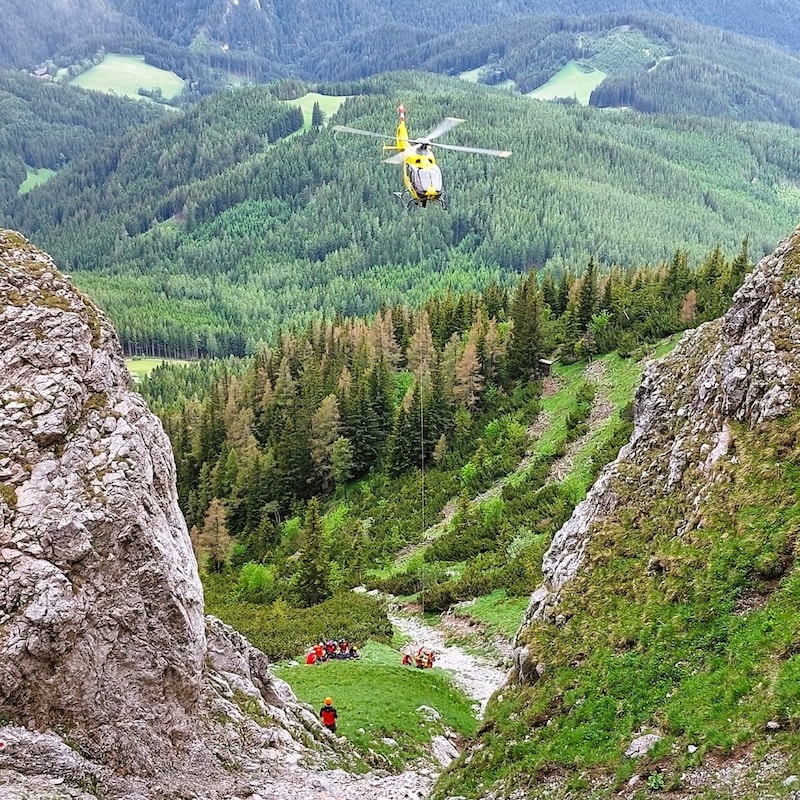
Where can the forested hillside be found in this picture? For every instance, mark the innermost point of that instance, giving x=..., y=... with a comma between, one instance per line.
x=292, y=34
x=207, y=231
x=651, y=62
x=337, y=422
x=654, y=64
x=47, y=126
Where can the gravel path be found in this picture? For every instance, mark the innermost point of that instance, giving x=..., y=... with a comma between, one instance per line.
x=476, y=677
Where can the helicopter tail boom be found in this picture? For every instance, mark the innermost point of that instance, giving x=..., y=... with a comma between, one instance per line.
x=402, y=132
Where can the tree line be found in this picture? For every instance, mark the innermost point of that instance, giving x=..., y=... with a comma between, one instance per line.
x=345, y=398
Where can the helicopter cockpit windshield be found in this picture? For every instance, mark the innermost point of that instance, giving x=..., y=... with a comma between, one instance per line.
x=426, y=178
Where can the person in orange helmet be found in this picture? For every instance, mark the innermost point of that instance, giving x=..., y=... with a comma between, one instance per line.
x=328, y=714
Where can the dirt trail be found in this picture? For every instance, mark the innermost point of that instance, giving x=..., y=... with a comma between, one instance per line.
x=476, y=677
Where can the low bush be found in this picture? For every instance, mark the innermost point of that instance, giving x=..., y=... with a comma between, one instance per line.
x=282, y=632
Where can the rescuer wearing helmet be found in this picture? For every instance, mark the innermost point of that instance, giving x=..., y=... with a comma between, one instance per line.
x=328, y=714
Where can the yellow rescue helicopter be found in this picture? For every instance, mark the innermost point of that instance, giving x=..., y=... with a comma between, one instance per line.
x=421, y=174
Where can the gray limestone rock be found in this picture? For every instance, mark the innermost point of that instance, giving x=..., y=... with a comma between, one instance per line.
x=109, y=673
x=101, y=608
x=742, y=368
x=642, y=745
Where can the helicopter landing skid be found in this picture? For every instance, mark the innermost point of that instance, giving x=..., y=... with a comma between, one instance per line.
x=407, y=199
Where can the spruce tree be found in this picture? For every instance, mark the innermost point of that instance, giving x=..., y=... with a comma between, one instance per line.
x=525, y=346
x=312, y=577
x=587, y=299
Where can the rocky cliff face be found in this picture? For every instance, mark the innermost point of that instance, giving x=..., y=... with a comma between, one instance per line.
x=109, y=673
x=101, y=606
x=743, y=368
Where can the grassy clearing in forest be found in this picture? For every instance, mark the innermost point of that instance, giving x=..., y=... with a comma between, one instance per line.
x=377, y=699
x=573, y=80
x=36, y=177
x=141, y=366
x=125, y=75
x=328, y=104
x=473, y=76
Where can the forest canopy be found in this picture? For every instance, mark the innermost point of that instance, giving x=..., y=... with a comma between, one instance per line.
x=206, y=232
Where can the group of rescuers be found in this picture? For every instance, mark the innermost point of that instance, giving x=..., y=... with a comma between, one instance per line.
x=325, y=651
x=422, y=660
x=328, y=714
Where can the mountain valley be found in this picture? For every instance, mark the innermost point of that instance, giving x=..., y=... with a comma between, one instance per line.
x=543, y=428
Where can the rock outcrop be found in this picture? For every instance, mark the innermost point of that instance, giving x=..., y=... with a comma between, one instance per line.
x=743, y=368
x=101, y=608
x=110, y=675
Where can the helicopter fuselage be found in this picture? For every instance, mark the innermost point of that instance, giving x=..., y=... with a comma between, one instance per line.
x=422, y=176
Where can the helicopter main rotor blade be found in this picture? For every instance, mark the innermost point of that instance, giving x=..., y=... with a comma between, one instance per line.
x=484, y=151
x=345, y=129
x=447, y=124
x=397, y=158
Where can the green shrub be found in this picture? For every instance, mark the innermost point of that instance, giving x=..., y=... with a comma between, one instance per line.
x=439, y=598
x=281, y=631
x=257, y=584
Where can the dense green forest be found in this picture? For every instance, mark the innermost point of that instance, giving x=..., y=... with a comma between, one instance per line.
x=267, y=435
x=206, y=232
x=654, y=64
x=291, y=34
x=42, y=125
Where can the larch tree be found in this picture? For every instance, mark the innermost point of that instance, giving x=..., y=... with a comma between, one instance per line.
x=469, y=378
x=420, y=348
x=326, y=425
x=213, y=541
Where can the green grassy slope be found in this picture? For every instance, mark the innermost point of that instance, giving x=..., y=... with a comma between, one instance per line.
x=125, y=75
x=377, y=698
x=703, y=649
x=571, y=81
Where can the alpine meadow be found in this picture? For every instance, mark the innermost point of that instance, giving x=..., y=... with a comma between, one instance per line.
x=378, y=465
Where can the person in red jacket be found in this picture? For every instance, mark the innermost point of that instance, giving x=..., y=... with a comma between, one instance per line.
x=328, y=714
